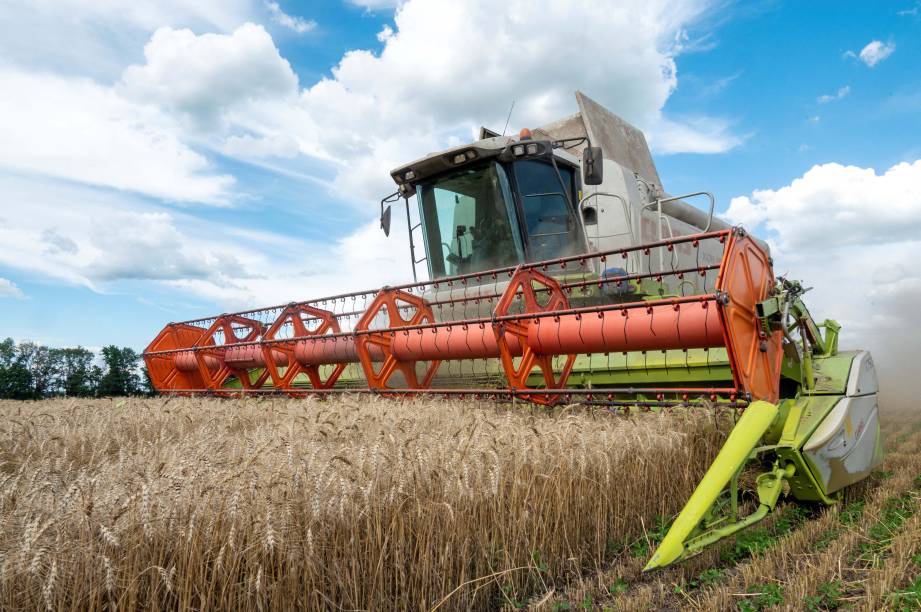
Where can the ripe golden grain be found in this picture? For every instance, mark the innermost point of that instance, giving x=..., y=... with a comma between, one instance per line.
x=359, y=502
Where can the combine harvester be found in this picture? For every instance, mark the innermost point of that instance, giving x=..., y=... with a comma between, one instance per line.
x=561, y=272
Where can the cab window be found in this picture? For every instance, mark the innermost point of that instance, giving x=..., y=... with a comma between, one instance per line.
x=549, y=220
x=468, y=223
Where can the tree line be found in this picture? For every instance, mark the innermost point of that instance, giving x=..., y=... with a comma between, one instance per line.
x=33, y=371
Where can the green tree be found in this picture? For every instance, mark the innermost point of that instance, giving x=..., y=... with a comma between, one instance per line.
x=147, y=386
x=15, y=378
x=120, y=373
x=43, y=366
x=31, y=371
x=7, y=352
x=78, y=376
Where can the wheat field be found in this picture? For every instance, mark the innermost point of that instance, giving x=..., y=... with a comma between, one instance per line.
x=357, y=503
x=364, y=503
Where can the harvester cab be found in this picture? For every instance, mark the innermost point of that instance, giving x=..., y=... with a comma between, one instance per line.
x=558, y=270
x=584, y=184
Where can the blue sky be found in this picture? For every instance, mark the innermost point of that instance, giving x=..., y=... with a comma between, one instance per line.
x=172, y=162
x=777, y=60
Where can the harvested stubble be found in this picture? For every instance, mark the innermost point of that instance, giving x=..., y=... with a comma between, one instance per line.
x=354, y=503
x=799, y=564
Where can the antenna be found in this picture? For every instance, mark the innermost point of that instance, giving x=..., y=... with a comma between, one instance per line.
x=509, y=118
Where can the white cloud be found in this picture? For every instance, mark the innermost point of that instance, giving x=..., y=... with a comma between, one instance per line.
x=853, y=235
x=873, y=53
x=841, y=93
x=447, y=67
x=444, y=69
x=91, y=237
x=691, y=135
x=238, y=96
x=298, y=24
x=98, y=37
x=376, y=5
x=385, y=33
x=76, y=129
x=833, y=205
x=716, y=87
x=245, y=146
x=105, y=240
x=8, y=289
x=203, y=77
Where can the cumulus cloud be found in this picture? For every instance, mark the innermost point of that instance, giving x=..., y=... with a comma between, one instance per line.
x=448, y=67
x=445, y=68
x=76, y=129
x=385, y=33
x=833, y=205
x=203, y=77
x=90, y=237
x=8, y=289
x=841, y=93
x=854, y=235
x=96, y=37
x=873, y=53
x=298, y=24
x=102, y=240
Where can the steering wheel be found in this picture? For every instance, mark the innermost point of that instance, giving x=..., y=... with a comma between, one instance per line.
x=452, y=258
x=447, y=247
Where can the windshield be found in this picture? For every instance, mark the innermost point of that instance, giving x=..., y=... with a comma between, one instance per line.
x=467, y=223
x=549, y=220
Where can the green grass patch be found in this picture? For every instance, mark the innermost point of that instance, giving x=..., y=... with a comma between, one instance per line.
x=754, y=541
x=618, y=587
x=852, y=512
x=908, y=598
x=749, y=543
x=905, y=599
x=643, y=546
x=828, y=597
x=825, y=538
x=764, y=596
x=708, y=577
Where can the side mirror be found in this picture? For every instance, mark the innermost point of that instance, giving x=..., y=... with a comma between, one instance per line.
x=385, y=220
x=592, y=166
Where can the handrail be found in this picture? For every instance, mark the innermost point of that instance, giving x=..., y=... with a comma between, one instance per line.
x=658, y=204
x=659, y=201
x=627, y=216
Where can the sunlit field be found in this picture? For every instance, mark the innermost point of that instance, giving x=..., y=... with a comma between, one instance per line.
x=369, y=503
